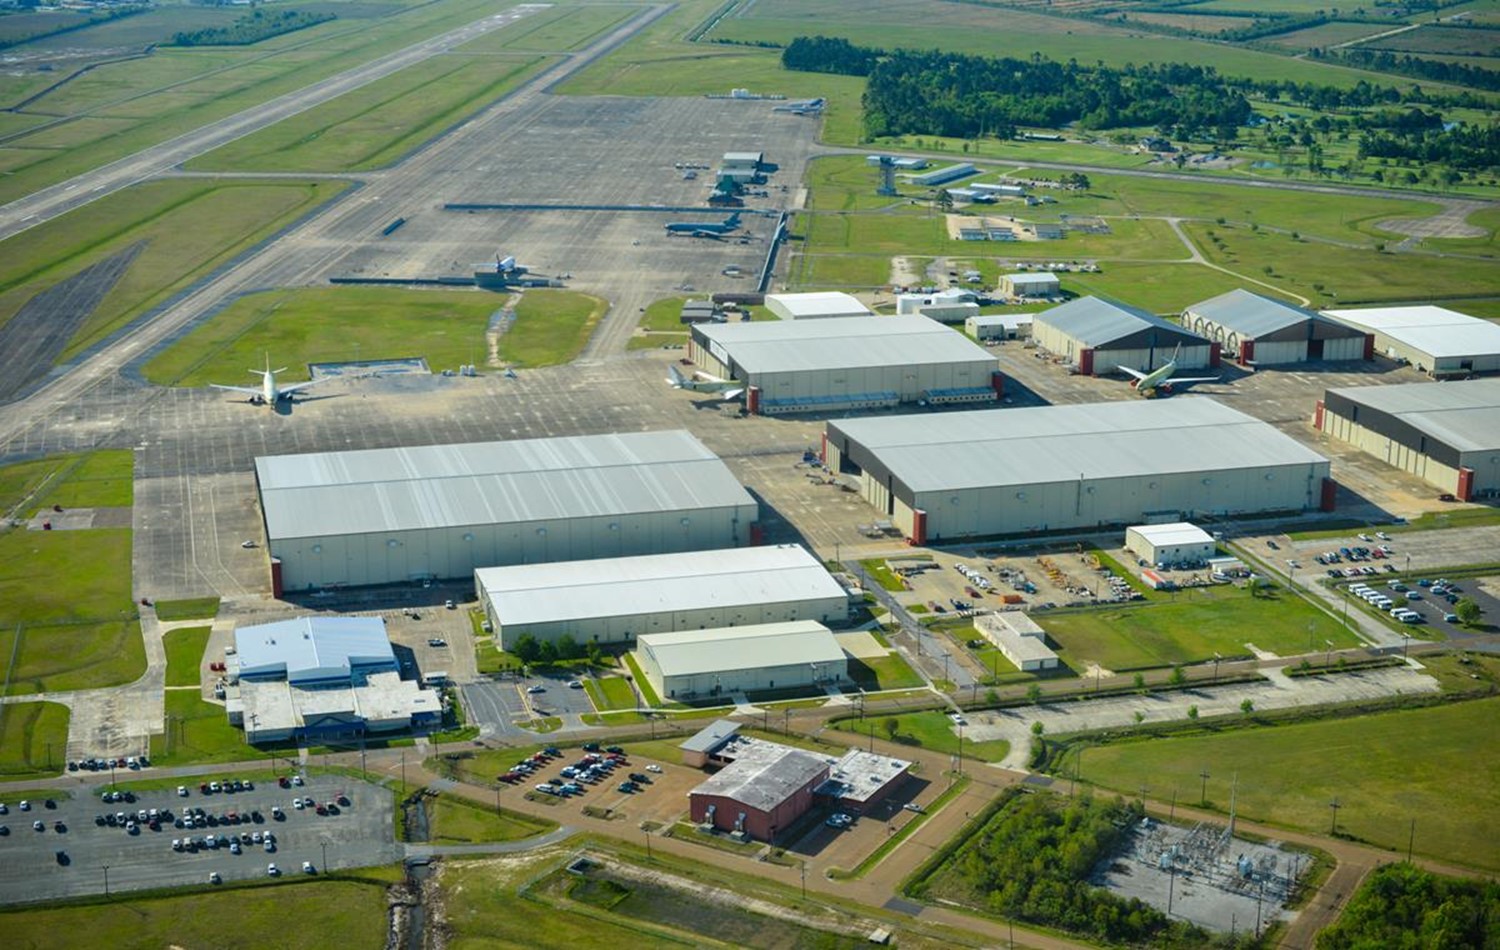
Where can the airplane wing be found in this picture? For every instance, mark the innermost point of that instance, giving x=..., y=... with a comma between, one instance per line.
x=297, y=387
x=733, y=393
x=249, y=390
x=1184, y=380
x=1131, y=372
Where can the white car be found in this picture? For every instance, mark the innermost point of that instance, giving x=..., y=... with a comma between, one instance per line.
x=297, y=803
x=653, y=767
x=958, y=720
x=213, y=877
x=1382, y=536
x=272, y=870
x=537, y=688
x=307, y=868
x=182, y=791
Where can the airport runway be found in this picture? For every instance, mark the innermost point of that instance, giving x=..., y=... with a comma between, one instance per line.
x=42, y=206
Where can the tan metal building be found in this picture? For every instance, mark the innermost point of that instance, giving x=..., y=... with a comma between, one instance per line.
x=1098, y=336
x=691, y=664
x=1445, y=433
x=974, y=474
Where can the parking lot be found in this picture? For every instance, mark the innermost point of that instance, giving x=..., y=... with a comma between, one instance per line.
x=31, y=869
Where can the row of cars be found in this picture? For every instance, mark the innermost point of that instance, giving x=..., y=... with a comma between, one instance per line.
x=1356, y=554
x=136, y=762
x=231, y=843
x=1380, y=601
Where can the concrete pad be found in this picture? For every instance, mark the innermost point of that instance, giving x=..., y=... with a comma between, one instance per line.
x=860, y=645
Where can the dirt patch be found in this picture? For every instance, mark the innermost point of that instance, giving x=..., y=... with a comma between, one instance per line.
x=36, y=336
x=904, y=272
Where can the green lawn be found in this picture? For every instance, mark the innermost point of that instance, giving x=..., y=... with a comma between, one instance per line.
x=1190, y=628
x=198, y=732
x=615, y=693
x=555, y=29
x=51, y=577
x=311, y=325
x=184, y=229
x=883, y=575
x=193, y=608
x=185, y=648
x=33, y=740
x=886, y=672
x=101, y=479
x=928, y=730
x=1161, y=288
x=346, y=910
x=378, y=123
x=551, y=327
x=1436, y=765
x=457, y=821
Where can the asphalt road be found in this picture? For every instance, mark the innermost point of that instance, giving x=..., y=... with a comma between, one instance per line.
x=363, y=834
x=48, y=203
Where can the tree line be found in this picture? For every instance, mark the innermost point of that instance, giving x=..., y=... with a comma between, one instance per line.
x=1402, y=906
x=253, y=28
x=1458, y=74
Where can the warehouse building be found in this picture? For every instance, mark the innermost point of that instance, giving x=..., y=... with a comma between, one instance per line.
x=974, y=474
x=692, y=664
x=1259, y=331
x=1018, y=639
x=815, y=306
x=322, y=678
x=1436, y=340
x=618, y=599
x=1167, y=545
x=1448, y=434
x=382, y=516
x=1040, y=286
x=998, y=326
x=1098, y=336
x=941, y=176
x=846, y=363
x=953, y=305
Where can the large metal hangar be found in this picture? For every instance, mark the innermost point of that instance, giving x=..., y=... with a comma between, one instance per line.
x=689, y=664
x=616, y=600
x=1447, y=434
x=1098, y=336
x=976, y=474
x=1436, y=340
x=381, y=516
x=1260, y=331
x=816, y=306
x=846, y=363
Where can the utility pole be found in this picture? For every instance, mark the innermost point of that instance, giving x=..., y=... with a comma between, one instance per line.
x=1203, y=789
x=804, y=880
x=1411, y=839
x=403, y=771
x=324, y=846
x=1172, y=813
x=1334, y=806
x=648, y=845
x=106, y=879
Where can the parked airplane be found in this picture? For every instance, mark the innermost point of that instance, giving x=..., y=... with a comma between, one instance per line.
x=1161, y=380
x=268, y=393
x=704, y=383
x=706, y=228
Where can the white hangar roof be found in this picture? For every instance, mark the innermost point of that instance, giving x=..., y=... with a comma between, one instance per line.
x=1434, y=330
x=1464, y=415
x=840, y=343
x=1095, y=321
x=696, y=652
x=998, y=447
x=819, y=304
x=1178, y=532
x=1254, y=316
x=313, y=648
x=621, y=587
x=442, y=486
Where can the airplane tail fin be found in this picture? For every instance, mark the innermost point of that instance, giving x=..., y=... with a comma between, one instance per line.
x=733, y=220
x=676, y=378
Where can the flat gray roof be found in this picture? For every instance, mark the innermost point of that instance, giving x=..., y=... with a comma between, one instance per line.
x=1464, y=415
x=840, y=343
x=998, y=447
x=1254, y=316
x=622, y=587
x=711, y=736
x=695, y=652
x=1437, y=331
x=1096, y=321
x=441, y=486
x=857, y=775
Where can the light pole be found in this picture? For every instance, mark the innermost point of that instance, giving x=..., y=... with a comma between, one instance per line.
x=1328, y=656
x=1405, y=642
x=804, y=880
x=648, y=845
x=960, y=750
x=1217, y=658
x=324, y=846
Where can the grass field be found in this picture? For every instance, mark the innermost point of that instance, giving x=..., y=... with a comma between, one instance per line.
x=93, y=480
x=377, y=124
x=1190, y=629
x=192, y=608
x=886, y=672
x=612, y=692
x=33, y=740
x=185, y=648
x=928, y=730
x=198, y=732
x=1385, y=770
x=65, y=576
x=347, y=910
x=1160, y=288
x=559, y=28
x=53, y=658
x=309, y=325
x=457, y=821
x=551, y=327
x=187, y=228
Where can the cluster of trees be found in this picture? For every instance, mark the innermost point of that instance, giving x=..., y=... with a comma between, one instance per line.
x=1458, y=74
x=1401, y=906
x=531, y=650
x=1033, y=861
x=253, y=28
x=72, y=24
x=1464, y=146
x=962, y=96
